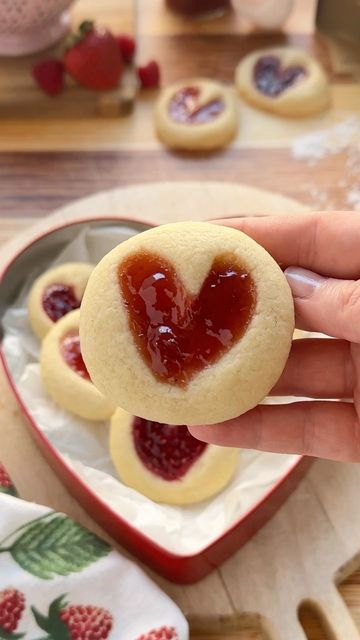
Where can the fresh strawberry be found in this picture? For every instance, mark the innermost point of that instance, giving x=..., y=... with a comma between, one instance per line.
x=12, y=605
x=93, y=59
x=163, y=633
x=75, y=622
x=127, y=47
x=6, y=485
x=149, y=75
x=49, y=76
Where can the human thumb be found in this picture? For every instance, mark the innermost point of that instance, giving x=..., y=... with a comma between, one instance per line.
x=326, y=305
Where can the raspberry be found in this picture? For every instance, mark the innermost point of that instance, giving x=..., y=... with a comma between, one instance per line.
x=149, y=75
x=49, y=76
x=127, y=47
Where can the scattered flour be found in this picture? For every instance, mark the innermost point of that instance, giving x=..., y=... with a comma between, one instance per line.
x=341, y=138
x=353, y=198
x=318, y=145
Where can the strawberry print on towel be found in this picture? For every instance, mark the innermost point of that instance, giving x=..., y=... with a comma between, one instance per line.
x=6, y=485
x=66, y=621
x=12, y=605
x=163, y=633
x=59, y=581
x=53, y=545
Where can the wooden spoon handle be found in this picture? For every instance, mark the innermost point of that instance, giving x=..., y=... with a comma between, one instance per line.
x=336, y=617
x=289, y=629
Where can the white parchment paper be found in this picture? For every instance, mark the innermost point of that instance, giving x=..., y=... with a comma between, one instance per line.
x=84, y=445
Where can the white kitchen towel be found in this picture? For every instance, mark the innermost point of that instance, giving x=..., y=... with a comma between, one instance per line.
x=58, y=581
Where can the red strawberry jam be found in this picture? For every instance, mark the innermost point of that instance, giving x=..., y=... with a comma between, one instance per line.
x=272, y=79
x=184, y=107
x=71, y=352
x=58, y=300
x=167, y=450
x=177, y=334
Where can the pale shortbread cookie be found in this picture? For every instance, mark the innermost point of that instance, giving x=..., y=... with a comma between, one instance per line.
x=238, y=380
x=70, y=274
x=192, y=133
x=208, y=474
x=67, y=388
x=308, y=94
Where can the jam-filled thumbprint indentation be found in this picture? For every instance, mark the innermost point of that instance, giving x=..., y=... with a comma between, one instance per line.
x=177, y=334
x=271, y=78
x=185, y=107
x=166, y=450
x=58, y=300
x=71, y=352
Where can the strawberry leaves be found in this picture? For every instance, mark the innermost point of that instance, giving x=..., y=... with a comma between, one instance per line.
x=55, y=545
x=5, y=635
x=10, y=490
x=52, y=624
x=84, y=28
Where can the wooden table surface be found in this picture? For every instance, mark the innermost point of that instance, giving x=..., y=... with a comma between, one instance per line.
x=45, y=163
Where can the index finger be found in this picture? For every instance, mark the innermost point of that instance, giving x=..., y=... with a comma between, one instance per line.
x=327, y=243
x=321, y=429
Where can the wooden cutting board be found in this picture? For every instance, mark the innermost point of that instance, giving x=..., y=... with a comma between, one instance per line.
x=310, y=545
x=20, y=97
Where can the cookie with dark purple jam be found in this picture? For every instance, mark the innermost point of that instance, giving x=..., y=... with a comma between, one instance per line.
x=283, y=80
x=55, y=293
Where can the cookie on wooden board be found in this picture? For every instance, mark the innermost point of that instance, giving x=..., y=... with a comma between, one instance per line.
x=196, y=114
x=283, y=80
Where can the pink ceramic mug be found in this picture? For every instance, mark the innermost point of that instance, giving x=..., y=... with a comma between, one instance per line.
x=27, y=26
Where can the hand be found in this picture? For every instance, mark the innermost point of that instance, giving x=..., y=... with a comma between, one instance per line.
x=308, y=245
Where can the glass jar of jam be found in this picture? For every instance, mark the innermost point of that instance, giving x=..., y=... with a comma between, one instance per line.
x=199, y=8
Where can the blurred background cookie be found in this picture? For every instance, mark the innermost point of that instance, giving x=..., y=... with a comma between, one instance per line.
x=283, y=80
x=196, y=114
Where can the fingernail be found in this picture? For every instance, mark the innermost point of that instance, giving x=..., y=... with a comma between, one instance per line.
x=302, y=282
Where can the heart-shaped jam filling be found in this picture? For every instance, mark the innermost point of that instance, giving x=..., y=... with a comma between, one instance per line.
x=58, y=300
x=176, y=333
x=272, y=79
x=167, y=450
x=71, y=352
x=185, y=107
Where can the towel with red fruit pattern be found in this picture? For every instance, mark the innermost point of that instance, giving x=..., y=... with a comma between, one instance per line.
x=58, y=581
